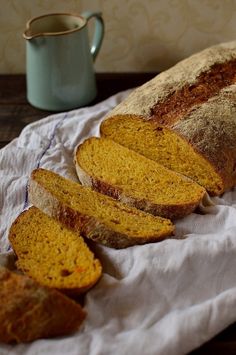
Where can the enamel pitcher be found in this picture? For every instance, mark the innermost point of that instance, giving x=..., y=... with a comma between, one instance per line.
x=59, y=60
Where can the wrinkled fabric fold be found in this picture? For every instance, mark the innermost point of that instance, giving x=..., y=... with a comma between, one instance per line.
x=161, y=298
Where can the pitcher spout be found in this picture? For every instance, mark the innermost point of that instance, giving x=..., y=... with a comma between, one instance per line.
x=30, y=31
x=53, y=25
x=28, y=35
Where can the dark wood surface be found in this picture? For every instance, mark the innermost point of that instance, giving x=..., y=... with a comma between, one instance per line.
x=16, y=113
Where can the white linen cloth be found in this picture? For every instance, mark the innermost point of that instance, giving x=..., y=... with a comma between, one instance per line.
x=161, y=298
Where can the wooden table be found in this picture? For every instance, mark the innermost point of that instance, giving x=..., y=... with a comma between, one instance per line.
x=16, y=113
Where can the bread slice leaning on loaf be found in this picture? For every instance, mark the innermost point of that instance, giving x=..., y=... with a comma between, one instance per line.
x=185, y=118
x=53, y=255
x=94, y=215
x=129, y=177
x=29, y=311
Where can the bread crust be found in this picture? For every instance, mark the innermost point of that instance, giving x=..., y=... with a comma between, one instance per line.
x=209, y=127
x=166, y=211
x=88, y=226
x=143, y=99
x=211, y=130
x=29, y=311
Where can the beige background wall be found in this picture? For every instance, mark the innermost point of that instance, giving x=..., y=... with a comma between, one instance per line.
x=141, y=35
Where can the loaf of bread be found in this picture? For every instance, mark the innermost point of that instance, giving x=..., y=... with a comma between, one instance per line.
x=29, y=311
x=53, y=255
x=94, y=215
x=185, y=118
x=123, y=174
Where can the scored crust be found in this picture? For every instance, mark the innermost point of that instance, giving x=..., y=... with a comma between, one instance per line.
x=211, y=129
x=185, y=73
x=208, y=121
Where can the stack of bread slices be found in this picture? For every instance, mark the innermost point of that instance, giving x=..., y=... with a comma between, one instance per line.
x=161, y=150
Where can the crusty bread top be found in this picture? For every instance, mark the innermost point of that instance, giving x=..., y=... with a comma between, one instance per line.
x=195, y=99
x=211, y=129
x=29, y=311
x=141, y=100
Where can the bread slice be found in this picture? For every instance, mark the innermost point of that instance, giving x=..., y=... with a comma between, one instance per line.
x=131, y=178
x=184, y=118
x=29, y=311
x=53, y=255
x=94, y=215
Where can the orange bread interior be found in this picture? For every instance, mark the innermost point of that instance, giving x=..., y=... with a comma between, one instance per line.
x=53, y=255
x=122, y=173
x=164, y=146
x=92, y=212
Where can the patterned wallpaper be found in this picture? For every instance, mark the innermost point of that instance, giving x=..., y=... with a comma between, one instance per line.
x=141, y=35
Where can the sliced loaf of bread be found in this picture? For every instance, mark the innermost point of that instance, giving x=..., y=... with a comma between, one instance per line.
x=131, y=178
x=29, y=311
x=52, y=254
x=94, y=215
x=185, y=118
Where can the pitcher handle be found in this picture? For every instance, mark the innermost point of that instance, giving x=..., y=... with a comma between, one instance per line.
x=98, y=31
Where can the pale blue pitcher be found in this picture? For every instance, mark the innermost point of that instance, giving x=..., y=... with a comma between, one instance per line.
x=59, y=60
